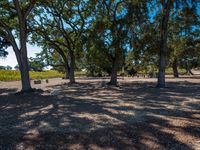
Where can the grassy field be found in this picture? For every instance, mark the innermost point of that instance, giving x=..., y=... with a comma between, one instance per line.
x=11, y=75
x=168, y=71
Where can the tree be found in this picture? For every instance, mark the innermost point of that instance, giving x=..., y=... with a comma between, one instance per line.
x=183, y=34
x=52, y=58
x=65, y=22
x=13, y=22
x=165, y=12
x=36, y=64
x=92, y=60
x=110, y=29
x=166, y=9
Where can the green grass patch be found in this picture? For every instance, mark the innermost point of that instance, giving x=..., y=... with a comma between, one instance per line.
x=80, y=73
x=12, y=75
x=170, y=71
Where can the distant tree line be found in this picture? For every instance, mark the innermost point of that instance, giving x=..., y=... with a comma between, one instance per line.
x=5, y=67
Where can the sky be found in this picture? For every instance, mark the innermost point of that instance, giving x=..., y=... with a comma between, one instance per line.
x=11, y=59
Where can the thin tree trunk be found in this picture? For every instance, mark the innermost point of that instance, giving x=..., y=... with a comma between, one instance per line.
x=113, y=80
x=163, y=43
x=188, y=70
x=72, y=65
x=175, y=68
x=21, y=53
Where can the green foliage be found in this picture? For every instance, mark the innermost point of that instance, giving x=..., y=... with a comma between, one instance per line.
x=99, y=35
x=80, y=73
x=3, y=45
x=36, y=64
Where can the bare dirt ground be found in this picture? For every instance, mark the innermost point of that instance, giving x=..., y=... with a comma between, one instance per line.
x=92, y=115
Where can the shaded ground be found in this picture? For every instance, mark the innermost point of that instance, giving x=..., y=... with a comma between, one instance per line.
x=92, y=115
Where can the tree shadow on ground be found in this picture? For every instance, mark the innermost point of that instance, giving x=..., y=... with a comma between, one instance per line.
x=88, y=116
x=7, y=90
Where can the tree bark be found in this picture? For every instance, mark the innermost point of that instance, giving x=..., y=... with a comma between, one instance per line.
x=24, y=70
x=67, y=70
x=113, y=80
x=72, y=68
x=175, y=68
x=163, y=43
x=161, y=74
x=23, y=58
x=188, y=70
x=21, y=50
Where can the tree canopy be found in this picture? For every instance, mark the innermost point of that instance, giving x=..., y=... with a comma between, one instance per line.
x=103, y=37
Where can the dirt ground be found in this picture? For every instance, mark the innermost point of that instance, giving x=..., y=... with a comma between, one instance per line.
x=93, y=115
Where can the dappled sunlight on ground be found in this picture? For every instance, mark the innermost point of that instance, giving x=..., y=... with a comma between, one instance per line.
x=90, y=115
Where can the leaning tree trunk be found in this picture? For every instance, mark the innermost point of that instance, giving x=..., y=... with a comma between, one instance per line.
x=23, y=58
x=188, y=70
x=175, y=68
x=163, y=43
x=113, y=80
x=21, y=50
x=72, y=68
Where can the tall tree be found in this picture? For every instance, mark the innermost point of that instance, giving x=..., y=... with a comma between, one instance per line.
x=65, y=22
x=13, y=23
x=165, y=14
x=166, y=8
x=110, y=29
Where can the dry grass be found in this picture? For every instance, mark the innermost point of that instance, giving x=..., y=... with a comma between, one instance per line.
x=91, y=115
x=14, y=75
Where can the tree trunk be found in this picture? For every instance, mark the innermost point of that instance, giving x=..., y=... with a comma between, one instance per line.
x=21, y=50
x=188, y=70
x=161, y=74
x=67, y=70
x=175, y=68
x=24, y=70
x=66, y=75
x=163, y=43
x=23, y=58
x=113, y=80
x=72, y=65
